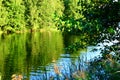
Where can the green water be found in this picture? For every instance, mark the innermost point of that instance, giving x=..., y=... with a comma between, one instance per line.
x=24, y=53
x=34, y=56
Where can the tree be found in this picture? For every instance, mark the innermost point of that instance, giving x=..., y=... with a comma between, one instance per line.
x=49, y=12
x=30, y=14
x=3, y=16
x=15, y=14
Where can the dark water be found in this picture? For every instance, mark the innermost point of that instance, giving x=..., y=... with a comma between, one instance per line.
x=36, y=56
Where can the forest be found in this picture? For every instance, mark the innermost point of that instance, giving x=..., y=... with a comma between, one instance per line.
x=72, y=16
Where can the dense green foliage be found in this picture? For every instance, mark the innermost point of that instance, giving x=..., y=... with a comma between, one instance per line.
x=74, y=16
x=89, y=16
x=29, y=14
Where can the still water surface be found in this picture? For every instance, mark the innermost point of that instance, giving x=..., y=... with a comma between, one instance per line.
x=35, y=56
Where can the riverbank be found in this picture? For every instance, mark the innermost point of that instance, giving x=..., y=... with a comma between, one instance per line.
x=28, y=30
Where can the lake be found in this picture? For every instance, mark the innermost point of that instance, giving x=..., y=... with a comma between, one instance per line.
x=42, y=56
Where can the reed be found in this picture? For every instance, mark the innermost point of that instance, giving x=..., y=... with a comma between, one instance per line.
x=16, y=77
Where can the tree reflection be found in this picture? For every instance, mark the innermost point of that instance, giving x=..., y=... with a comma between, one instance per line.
x=28, y=53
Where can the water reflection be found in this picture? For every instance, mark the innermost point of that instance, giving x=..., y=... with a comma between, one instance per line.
x=27, y=54
x=40, y=56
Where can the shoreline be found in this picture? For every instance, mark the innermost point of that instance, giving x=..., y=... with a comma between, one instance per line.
x=29, y=30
